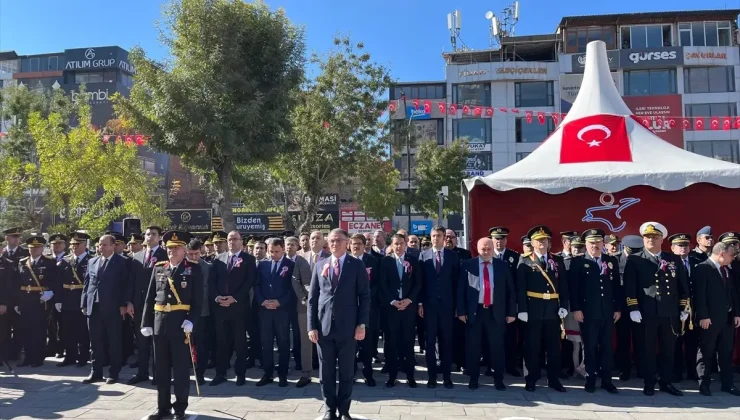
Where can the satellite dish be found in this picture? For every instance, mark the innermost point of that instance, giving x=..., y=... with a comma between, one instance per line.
x=489, y=15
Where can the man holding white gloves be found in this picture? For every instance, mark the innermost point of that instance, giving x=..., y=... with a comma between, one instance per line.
x=656, y=287
x=172, y=306
x=542, y=296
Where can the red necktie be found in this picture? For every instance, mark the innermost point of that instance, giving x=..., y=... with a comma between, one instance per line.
x=486, y=285
x=438, y=262
x=148, y=257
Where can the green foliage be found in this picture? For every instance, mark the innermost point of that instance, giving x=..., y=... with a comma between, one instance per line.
x=377, y=194
x=221, y=101
x=437, y=167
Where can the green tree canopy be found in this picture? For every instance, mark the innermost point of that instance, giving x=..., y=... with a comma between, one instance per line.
x=437, y=167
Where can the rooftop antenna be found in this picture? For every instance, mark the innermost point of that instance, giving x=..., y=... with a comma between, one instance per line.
x=503, y=27
x=494, y=29
x=454, y=24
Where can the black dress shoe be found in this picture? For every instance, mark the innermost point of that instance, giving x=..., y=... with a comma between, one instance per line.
x=303, y=381
x=134, y=365
x=24, y=363
x=112, y=380
x=489, y=372
x=82, y=364
x=513, y=372
x=200, y=379
x=391, y=383
x=159, y=414
x=590, y=386
x=530, y=387
x=649, y=390
x=412, y=383
x=609, y=387
x=432, y=383
x=179, y=415
x=345, y=416
x=329, y=415
x=219, y=379
x=499, y=385
x=557, y=386
x=64, y=363
x=265, y=380
x=37, y=364
x=732, y=391
x=92, y=379
x=704, y=389
x=670, y=389
x=370, y=382
x=473, y=385
x=283, y=382
x=137, y=379
x=240, y=381
x=448, y=383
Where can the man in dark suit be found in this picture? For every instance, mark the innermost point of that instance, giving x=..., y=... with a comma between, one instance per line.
x=69, y=295
x=439, y=271
x=104, y=302
x=275, y=296
x=8, y=282
x=486, y=302
x=369, y=344
x=514, y=331
x=301, y=282
x=399, y=289
x=232, y=276
x=459, y=327
x=338, y=312
x=142, y=265
x=657, y=293
x=14, y=252
x=595, y=302
x=716, y=304
x=542, y=296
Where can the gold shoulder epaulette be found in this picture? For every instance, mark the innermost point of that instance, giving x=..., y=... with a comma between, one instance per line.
x=526, y=254
x=24, y=258
x=48, y=257
x=193, y=262
x=161, y=263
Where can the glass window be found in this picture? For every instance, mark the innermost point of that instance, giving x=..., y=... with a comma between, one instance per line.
x=582, y=40
x=429, y=130
x=654, y=36
x=726, y=150
x=533, y=132
x=415, y=93
x=472, y=94
x=571, y=41
x=43, y=63
x=533, y=94
x=697, y=34
x=649, y=82
x=439, y=92
x=522, y=155
x=710, y=31
x=709, y=79
x=402, y=166
x=724, y=33
x=476, y=130
x=684, y=34
x=710, y=110
x=577, y=38
x=35, y=64
x=53, y=63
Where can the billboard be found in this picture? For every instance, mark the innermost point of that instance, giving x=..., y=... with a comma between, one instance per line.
x=193, y=221
x=93, y=59
x=258, y=222
x=323, y=220
x=570, y=85
x=644, y=58
x=662, y=107
x=356, y=221
x=98, y=95
x=578, y=61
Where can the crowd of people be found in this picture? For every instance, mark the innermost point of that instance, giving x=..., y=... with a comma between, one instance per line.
x=226, y=302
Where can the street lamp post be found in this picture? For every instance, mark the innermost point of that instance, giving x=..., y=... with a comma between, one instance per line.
x=408, y=159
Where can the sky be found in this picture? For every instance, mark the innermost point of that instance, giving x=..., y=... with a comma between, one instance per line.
x=406, y=36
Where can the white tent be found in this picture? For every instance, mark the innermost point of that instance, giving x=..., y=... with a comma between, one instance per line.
x=653, y=161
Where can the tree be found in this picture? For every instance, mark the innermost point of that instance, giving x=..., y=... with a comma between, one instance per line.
x=377, y=194
x=222, y=101
x=437, y=167
x=336, y=128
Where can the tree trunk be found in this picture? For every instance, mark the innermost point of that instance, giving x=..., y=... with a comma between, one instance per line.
x=309, y=208
x=287, y=218
x=225, y=188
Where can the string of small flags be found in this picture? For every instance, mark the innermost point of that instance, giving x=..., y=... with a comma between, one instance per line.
x=649, y=121
x=128, y=139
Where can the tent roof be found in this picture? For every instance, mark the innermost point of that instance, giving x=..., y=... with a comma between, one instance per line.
x=570, y=158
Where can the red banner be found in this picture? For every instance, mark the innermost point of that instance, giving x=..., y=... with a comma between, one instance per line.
x=656, y=109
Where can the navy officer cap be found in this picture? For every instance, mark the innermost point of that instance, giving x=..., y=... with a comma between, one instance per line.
x=633, y=242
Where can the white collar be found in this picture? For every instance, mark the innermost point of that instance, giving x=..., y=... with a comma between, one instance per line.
x=340, y=259
x=81, y=256
x=153, y=249
x=234, y=255
x=653, y=255
x=441, y=250
x=538, y=255
x=401, y=257
x=11, y=250
x=594, y=258
x=716, y=265
x=36, y=260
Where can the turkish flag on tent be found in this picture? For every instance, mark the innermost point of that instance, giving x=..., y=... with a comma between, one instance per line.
x=541, y=117
x=441, y=106
x=427, y=107
x=597, y=138
x=686, y=123
x=556, y=118
x=737, y=125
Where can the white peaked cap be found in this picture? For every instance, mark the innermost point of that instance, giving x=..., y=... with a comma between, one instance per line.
x=648, y=228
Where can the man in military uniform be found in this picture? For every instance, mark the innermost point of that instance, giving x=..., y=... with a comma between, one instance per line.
x=55, y=332
x=542, y=296
x=128, y=329
x=37, y=278
x=577, y=246
x=704, y=243
x=8, y=282
x=657, y=294
x=611, y=244
x=135, y=243
x=210, y=249
x=566, y=238
x=14, y=252
x=219, y=241
x=526, y=245
x=627, y=331
x=68, y=297
x=514, y=331
x=688, y=343
x=595, y=303
x=172, y=307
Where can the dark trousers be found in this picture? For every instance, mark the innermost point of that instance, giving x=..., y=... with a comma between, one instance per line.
x=55, y=332
x=624, y=352
x=295, y=336
x=5, y=335
x=400, y=339
x=718, y=338
x=128, y=335
x=76, y=336
x=597, y=347
x=514, y=345
x=143, y=345
x=105, y=328
x=439, y=323
x=275, y=324
x=172, y=354
x=543, y=333
x=484, y=326
x=202, y=345
x=369, y=346
x=335, y=351
x=13, y=334
x=252, y=325
x=687, y=347
x=34, y=320
x=211, y=338
x=458, y=332
x=666, y=330
x=375, y=327
x=421, y=334
x=231, y=330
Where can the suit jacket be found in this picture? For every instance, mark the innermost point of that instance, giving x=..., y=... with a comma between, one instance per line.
x=372, y=265
x=511, y=258
x=595, y=290
x=439, y=289
x=504, y=293
x=714, y=298
x=110, y=286
x=656, y=291
x=413, y=252
x=390, y=282
x=141, y=274
x=529, y=278
x=205, y=268
x=462, y=253
x=301, y=282
x=309, y=256
x=236, y=283
x=339, y=311
x=187, y=282
x=275, y=286
x=8, y=282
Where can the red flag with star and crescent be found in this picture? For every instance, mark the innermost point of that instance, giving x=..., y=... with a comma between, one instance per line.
x=597, y=138
x=442, y=107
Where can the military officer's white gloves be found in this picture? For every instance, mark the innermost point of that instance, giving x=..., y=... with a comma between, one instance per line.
x=187, y=326
x=636, y=316
x=684, y=316
x=523, y=316
x=147, y=331
x=18, y=311
x=58, y=306
x=47, y=295
x=562, y=313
